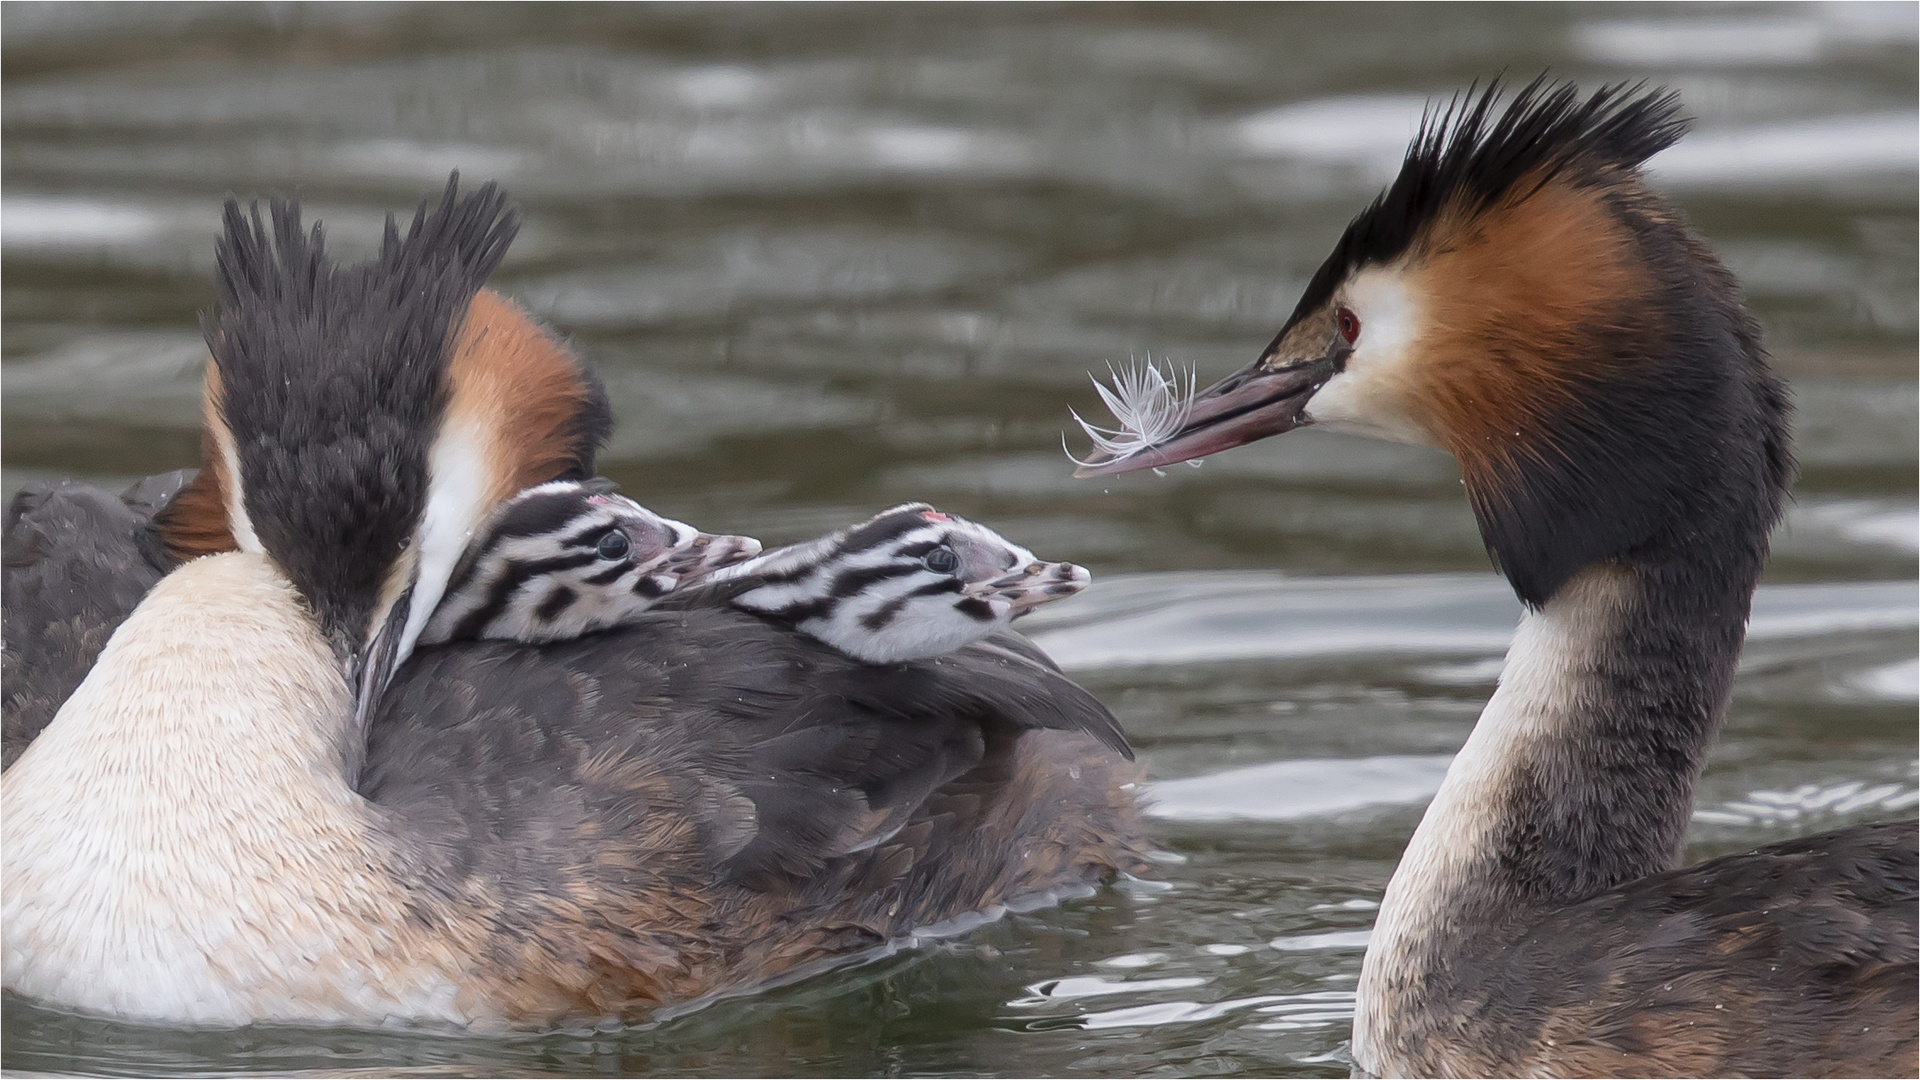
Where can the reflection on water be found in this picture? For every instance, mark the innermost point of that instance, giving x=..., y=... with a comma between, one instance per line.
x=830, y=259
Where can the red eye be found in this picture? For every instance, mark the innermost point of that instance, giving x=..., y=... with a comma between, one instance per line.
x=1349, y=325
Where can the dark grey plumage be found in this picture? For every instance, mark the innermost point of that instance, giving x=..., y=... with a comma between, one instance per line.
x=792, y=760
x=1574, y=946
x=77, y=561
x=1004, y=676
x=1757, y=952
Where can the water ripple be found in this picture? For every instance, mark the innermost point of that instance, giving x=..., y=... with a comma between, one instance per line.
x=1192, y=618
x=1812, y=802
x=1291, y=790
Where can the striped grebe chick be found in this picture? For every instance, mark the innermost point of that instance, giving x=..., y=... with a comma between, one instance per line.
x=570, y=557
x=261, y=804
x=1520, y=298
x=910, y=582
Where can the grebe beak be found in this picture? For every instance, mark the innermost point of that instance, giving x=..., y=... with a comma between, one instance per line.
x=369, y=670
x=1264, y=398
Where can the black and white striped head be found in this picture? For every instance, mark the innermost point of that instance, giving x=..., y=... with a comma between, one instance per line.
x=912, y=582
x=567, y=558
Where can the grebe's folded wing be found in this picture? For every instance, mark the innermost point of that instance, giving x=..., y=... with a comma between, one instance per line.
x=1712, y=967
x=78, y=558
x=761, y=755
x=1004, y=675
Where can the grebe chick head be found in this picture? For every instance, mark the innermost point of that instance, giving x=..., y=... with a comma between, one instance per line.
x=569, y=557
x=1520, y=298
x=911, y=582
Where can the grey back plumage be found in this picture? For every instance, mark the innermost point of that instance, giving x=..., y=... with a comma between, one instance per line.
x=1753, y=954
x=793, y=754
x=77, y=561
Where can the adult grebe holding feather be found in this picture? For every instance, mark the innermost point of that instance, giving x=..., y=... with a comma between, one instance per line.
x=1521, y=299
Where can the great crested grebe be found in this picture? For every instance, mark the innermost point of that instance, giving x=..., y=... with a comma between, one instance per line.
x=1519, y=298
x=230, y=821
x=909, y=583
x=567, y=558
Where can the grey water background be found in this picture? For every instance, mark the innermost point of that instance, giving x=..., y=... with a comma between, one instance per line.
x=833, y=258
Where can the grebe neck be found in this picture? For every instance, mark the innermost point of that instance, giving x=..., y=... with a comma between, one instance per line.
x=1579, y=776
x=187, y=814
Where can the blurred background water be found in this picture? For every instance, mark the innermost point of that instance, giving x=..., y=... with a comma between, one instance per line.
x=832, y=258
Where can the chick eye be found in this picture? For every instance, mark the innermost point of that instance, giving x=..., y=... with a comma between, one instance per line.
x=942, y=561
x=1349, y=324
x=614, y=545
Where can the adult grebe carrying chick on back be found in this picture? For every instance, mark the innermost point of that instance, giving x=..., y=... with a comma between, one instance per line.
x=1519, y=298
x=266, y=800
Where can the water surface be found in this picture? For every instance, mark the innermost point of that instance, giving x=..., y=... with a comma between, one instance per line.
x=833, y=258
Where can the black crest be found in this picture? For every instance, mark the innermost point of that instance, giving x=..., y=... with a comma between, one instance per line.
x=333, y=382
x=1468, y=158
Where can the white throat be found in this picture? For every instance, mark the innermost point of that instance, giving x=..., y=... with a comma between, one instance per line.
x=1367, y=397
x=181, y=843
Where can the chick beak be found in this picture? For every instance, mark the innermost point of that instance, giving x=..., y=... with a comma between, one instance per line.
x=1257, y=401
x=708, y=552
x=1038, y=584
